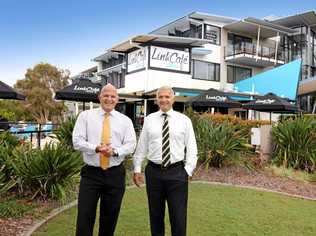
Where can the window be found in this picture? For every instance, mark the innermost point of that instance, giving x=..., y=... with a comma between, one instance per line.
x=115, y=78
x=212, y=33
x=195, y=31
x=239, y=44
x=235, y=73
x=205, y=70
x=113, y=61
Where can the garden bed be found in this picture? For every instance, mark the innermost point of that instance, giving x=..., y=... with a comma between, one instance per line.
x=263, y=179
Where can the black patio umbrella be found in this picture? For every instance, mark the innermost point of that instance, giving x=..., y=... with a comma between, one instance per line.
x=82, y=90
x=271, y=103
x=6, y=92
x=214, y=98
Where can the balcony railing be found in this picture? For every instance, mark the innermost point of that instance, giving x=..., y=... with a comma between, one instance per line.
x=264, y=52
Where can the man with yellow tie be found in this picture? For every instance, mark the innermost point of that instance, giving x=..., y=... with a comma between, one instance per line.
x=104, y=136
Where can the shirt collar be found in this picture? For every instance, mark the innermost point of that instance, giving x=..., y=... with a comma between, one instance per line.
x=169, y=113
x=102, y=112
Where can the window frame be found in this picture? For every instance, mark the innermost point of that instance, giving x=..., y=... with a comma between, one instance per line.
x=216, y=65
x=219, y=33
x=234, y=73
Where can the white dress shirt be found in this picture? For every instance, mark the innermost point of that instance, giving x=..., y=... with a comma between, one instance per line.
x=181, y=136
x=87, y=134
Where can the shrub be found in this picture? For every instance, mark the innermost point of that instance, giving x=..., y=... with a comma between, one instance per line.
x=220, y=118
x=7, y=144
x=48, y=173
x=8, y=140
x=219, y=142
x=8, y=115
x=6, y=182
x=295, y=141
x=64, y=131
x=14, y=208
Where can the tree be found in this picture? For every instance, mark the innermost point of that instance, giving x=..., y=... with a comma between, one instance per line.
x=14, y=110
x=39, y=85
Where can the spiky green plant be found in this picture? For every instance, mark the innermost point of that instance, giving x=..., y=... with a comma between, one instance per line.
x=295, y=141
x=218, y=143
x=64, y=131
x=9, y=140
x=8, y=143
x=47, y=173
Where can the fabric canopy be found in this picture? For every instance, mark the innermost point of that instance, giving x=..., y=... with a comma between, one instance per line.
x=6, y=92
x=214, y=98
x=82, y=90
x=271, y=103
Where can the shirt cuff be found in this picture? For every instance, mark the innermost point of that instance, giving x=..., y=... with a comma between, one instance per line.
x=91, y=148
x=188, y=170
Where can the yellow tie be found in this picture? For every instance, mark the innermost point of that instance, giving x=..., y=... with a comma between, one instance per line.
x=106, y=132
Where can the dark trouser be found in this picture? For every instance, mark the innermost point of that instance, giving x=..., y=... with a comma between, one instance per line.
x=106, y=185
x=169, y=185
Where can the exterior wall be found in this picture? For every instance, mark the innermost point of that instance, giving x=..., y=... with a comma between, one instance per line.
x=148, y=80
x=215, y=55
x=158, y=78
x=135, y=82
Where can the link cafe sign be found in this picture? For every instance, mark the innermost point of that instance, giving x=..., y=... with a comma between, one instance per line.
x=87, y=89
x=159, y=58
x=136, y=60
x=216, y=98
x=169, y=59
x=265, y=101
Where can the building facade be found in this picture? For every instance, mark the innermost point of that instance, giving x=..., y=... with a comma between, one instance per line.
x=201, y=51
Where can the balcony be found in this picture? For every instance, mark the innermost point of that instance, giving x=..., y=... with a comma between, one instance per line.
x=245, y=53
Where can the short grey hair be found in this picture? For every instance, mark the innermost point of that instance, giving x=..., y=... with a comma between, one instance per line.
x=165, y=88
x=108, y=86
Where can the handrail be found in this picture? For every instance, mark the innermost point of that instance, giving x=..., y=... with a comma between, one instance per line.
x=250, y=48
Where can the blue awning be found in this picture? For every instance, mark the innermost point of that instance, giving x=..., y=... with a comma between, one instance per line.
x=282, y=81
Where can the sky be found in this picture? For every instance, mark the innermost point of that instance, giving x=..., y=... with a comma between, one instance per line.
x=70, y=33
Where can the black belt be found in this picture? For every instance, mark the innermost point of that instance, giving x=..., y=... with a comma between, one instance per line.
x=99, y=168
x=173, y=165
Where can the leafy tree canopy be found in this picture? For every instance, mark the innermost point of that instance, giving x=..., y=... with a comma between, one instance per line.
x=39, y=86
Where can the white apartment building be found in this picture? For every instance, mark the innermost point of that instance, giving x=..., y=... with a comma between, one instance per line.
x=201, y=51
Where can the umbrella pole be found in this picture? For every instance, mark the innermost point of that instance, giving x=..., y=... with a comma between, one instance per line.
x=84, y=106
x=77, y=108
x=270, y=118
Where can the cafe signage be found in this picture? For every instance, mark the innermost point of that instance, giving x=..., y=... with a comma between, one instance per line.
x=87, y=89
x=265, y=101
x=136, y=60
x=216, y=98
x=169, y=59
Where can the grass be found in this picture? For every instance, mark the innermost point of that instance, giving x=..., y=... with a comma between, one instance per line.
x=213, y=210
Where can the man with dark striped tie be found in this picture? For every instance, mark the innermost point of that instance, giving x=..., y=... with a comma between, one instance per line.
x=168, y=141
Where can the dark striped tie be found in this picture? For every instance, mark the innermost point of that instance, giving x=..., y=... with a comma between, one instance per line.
x=165, y=142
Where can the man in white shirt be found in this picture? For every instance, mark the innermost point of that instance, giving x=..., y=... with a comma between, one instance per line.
x=168, y=141
x=103, y=176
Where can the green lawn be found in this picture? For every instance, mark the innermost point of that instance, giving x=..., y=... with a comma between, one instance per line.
x=213, y=210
